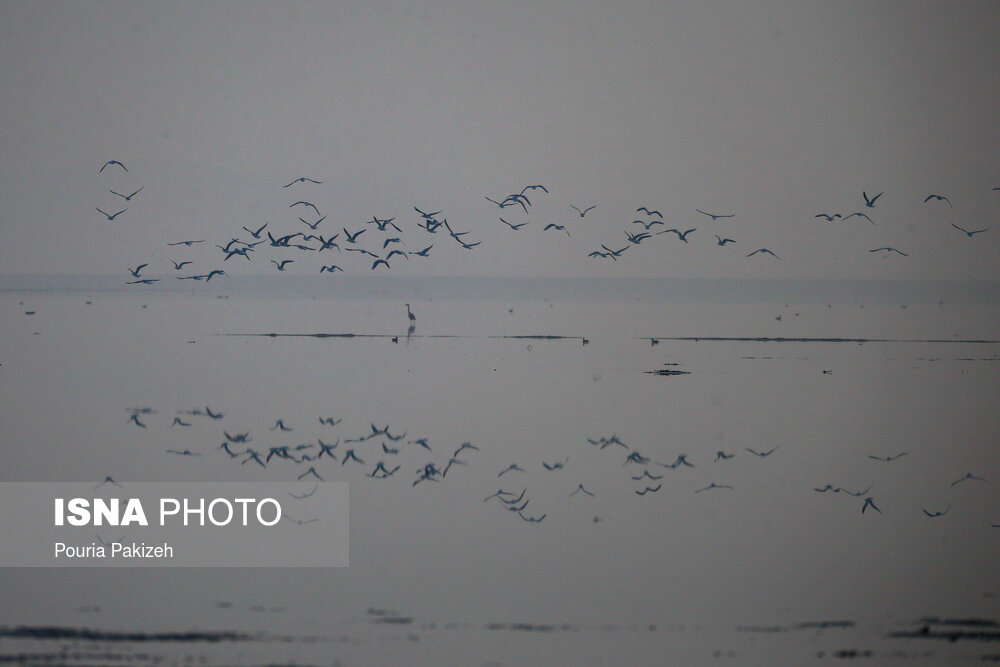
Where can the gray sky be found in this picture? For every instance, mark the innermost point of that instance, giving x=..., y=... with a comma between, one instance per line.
x=772, y=111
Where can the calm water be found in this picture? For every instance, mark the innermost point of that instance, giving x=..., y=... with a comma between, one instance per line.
x=769, y=568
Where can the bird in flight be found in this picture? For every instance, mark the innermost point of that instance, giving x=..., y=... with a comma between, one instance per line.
x=312, y=225
x=256, y=234
x=136, y=270
x=304, y=203
x=127, y=197
x=968, y=233
x=108, y=480
x=111, y=216
x=870, y=201
x=187, y=243
x=889, y=249
x=584, y=211
x=713, y=485
x=282, y=264
x=870, y=503
x=939, y=198
x=716, y=216
x=762, y=454
x=721, y=241
x=887, y=458
x=332, y=268
x=180, y=265
x=143, y=281
x=764, y=250
x=301, y=179
x=681, y=235
x=111, y=162
x=553, y=225
x=828, y=217
x=647, y=225
x=353, y=238
x=648, y=212
x=859, y=214
x=966, y=476
x=935, y=515
x=648, y=489
x=514, y=227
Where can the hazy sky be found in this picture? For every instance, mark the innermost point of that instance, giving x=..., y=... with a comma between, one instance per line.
x=772, y=111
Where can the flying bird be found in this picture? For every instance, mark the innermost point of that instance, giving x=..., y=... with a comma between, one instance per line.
x=301, y=179
x=715, y=216
x=111, y=162
x=305, y=203
x=111, y=216
x=762, y=454
x=968, y=233
x=889, y=249
x=681, y=235
x=187, y=243
x=713, y=485
x=256, y=234
x=935, y=515
x=648, y=212
x=887, y=458
x=870, y=201
x=966, y=476
x=859, y=214
x=584, y=211
x=939, y=198
x=127, y=197
x=764, y=250
x=721, y=241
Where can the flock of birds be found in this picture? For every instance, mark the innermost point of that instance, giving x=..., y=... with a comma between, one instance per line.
x=327, y=452
x=379, y=244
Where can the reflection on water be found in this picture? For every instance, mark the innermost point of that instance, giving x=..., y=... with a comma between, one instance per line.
x=679, y=393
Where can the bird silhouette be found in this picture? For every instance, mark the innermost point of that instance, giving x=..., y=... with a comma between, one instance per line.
x=939, y=198
x=763, y=250
x=301, y=179
x=968, y=233
x=721, y=241
x=715, y=216
x=584, y=211
x=681, y=235
x=967, y=476
x=112, y=162
x=889, y=249
x=713, y=485
x=870, y=503
x=305, y=203
x=887, y=458
x=643, y=209
x=870, y=201
x=111, y=216
x=127, y=197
